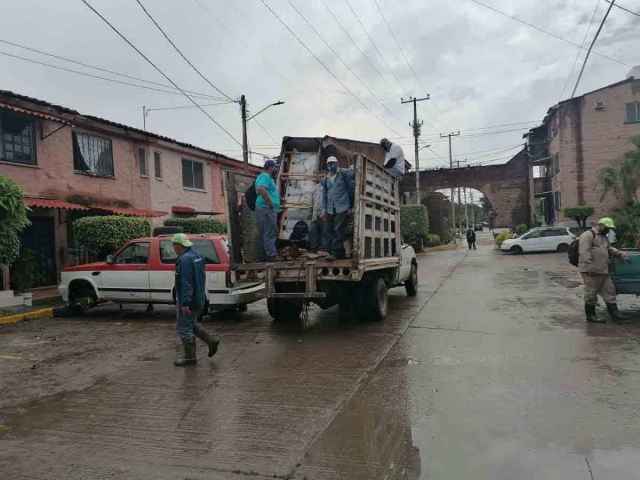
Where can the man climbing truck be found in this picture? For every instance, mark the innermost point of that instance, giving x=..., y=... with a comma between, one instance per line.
x=375, y=259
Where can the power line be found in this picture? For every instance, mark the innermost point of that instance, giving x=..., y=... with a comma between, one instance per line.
x=479, y=128
x=266, y=37
x=181, y=54
x=266, y=131
x=395, y=39
x=586, y=34
x=327, y=68
x=35, y=50
x=185, y=106
x=375, y=47
x=593, y=42
x=358, y=47
x=158, y=69
x=625, y=9
x=530, y=25
x=98, y=77
x=343, y=62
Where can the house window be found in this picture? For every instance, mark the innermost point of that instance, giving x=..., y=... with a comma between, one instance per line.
x=633, y=112
x=92, y=154
x=556, y=162
x=157, y=164
x=557, y=200
x=142, y=161
x=17, y=139
x=192, y=174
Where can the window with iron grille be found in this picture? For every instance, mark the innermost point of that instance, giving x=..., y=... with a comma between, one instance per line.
x=17, y=139
x=157, y=164
x=556, y=162
x=92, y=154
x=633, y=112
x=142, y=162
x=192, y=174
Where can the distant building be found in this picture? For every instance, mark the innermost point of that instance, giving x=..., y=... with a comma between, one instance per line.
x=71, y=165
x=577, y=138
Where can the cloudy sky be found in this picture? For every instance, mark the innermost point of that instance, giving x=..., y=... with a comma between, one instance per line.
x=487, y=74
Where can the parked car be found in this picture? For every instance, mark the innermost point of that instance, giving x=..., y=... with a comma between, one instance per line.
x=542, y=239
x=142, y=271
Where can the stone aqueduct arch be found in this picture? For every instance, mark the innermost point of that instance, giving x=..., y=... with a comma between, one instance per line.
x=507, y=187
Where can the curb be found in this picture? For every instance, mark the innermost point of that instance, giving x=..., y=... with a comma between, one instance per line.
x=441, y=248
x=44, y=312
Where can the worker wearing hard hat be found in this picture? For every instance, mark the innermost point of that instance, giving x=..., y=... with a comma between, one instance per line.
x=339, y=185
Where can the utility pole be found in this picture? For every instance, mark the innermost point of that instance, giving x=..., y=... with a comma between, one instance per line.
x=473, y=210
x=416, y=133
x=453, y=208
x=245, y=143
x=466, y=215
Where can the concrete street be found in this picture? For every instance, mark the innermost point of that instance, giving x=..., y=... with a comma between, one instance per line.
x=490, y=373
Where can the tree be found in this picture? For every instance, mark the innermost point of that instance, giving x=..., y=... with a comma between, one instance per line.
x=13, y=219
x=580, y=214
x=485, y=204
x=623, y=182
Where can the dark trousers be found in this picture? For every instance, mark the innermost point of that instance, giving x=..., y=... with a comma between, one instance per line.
x=337, y=225
x=317, y=236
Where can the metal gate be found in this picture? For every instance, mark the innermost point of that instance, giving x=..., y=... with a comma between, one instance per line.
x=40, y=237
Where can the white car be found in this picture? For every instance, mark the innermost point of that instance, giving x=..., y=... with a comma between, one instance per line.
x=542, y=239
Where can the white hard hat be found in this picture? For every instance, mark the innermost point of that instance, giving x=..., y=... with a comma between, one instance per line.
x=332, y=159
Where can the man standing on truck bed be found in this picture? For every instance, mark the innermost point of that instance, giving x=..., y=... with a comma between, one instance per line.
x=595, y=251
x=339, y=186
x=267, y=208
x=394, y=160
x=190, y=299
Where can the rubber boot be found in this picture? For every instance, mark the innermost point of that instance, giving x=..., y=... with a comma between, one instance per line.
x=590, y=310
x=207, y=338
x=189, y=357
x=612, y=308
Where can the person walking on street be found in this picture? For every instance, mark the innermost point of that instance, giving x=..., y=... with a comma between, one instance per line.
x=267, y=208
x=317, y=227
x=394, y=159
x=594, y=253
x=339, y=184
x=471, y=238
x=190, y=284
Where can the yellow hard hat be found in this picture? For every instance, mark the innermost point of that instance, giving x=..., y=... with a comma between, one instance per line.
x=607, y=222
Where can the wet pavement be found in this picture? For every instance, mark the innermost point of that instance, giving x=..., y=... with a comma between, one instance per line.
x=489, y=373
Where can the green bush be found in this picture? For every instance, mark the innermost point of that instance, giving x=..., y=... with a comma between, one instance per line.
x=23, y=273
x=521, y=229
x=197, y=225
x=410, y=214
x=13, y=218
x=627, y=220
x=579, y=214
x=104, y=235
x=432, y=240
x=502, y=237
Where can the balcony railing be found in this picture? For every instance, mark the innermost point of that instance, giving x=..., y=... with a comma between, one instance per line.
x=542, y=186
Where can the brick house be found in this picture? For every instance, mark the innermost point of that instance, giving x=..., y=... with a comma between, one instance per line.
x=577, y=138
x=71, y=165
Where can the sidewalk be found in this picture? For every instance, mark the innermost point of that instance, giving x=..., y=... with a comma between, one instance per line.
x=41, y=308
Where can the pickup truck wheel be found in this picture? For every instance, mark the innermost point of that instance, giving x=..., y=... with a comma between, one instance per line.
x=373, y=299
x=82, y=296
x=411, y=284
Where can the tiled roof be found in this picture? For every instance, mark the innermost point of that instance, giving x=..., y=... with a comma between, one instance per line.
x=49, y=203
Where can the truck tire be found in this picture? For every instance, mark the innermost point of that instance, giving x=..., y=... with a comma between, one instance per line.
x=411, y=284
x=284, y=311
x=373, y=300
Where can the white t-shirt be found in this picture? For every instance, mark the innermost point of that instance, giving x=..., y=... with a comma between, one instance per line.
x=396, y=152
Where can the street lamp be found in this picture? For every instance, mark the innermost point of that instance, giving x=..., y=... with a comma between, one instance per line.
x=243, y=114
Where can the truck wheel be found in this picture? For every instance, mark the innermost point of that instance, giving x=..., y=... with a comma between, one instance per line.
x=411, y=284
x=373, y=300
x=284, y=311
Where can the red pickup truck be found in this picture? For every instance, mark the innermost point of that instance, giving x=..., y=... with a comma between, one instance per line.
x=142, y=271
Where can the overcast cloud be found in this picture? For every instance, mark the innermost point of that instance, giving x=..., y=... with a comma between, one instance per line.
x=481, y=68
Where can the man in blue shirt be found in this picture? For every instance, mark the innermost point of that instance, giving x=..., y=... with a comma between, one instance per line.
x=190, y=285
x=267, y=208
x=339, y=185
